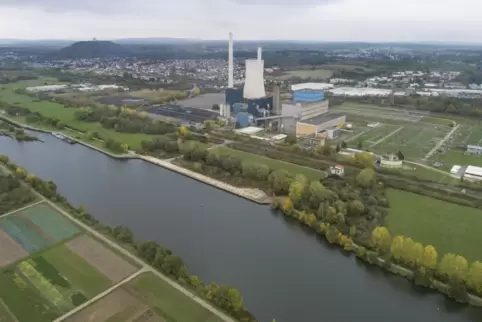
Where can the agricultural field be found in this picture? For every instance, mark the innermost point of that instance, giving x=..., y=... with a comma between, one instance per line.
x=38, y=227
x=102, y=258
x=146, y=298
x=65, y=115
x=448, y=227
x=310, y=173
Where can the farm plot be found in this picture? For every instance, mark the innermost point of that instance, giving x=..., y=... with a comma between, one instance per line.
x=120, y=305
x=414, y=141
x=102, y=258
x=10, y=251
x=38, y=227
x=23, y=300
x=168, y=302
x=53, y=282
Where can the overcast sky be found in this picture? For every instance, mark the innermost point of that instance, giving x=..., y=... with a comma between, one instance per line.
x=330, y=20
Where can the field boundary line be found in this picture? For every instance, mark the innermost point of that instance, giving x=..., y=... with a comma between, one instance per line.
x=101, y=295
x=21, y=209
x=2, y=304
x=360, y=134
x=115, y=246
x=441, y=142
x=387, y=136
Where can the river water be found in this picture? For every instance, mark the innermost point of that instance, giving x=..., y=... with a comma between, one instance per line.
x=282, y=271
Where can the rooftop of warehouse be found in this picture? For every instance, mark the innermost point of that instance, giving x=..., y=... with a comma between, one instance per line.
x=322, y=118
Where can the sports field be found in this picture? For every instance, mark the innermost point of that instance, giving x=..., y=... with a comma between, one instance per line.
x=311, y=174
x=413, y=133
x=448, y=227
x=38, y=227
x=470, y=132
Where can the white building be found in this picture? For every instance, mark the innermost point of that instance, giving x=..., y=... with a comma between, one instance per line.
x=473, y=173
x=474, y=149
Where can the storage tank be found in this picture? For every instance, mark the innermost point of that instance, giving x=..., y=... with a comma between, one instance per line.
x=308, y=96
x=244, y=119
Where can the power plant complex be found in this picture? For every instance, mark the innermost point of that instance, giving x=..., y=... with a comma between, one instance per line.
x=306, y=115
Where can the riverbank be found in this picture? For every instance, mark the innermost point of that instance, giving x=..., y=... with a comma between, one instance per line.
x=138, y=252
x=255, y=195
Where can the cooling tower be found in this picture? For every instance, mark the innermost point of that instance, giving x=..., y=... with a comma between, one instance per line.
x=230, y=62
x=254, y=79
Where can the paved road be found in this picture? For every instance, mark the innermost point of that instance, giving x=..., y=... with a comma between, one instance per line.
x=145, y=267
x=101, y=295
x=441, y=142
x=23, y=208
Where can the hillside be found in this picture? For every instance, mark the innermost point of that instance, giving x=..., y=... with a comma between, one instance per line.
x=91, y=49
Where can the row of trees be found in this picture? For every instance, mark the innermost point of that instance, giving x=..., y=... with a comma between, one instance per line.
x=124, y=120
x=358, y=202
x=12, y=194
x=32, y=117
x=453, y=269
x=161, y=258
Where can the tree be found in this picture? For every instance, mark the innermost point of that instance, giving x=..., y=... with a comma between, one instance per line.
x=21, y=173
x=123, y=234
x=4, y=159
x=184, y=131
x=280, y=181
x=429, y=257
x=31, y=179
x=355, y=208
x=381, y=239
x=208, y=125
x=89, y=135
x=360, y=145
x=215, y=107
x=366, y=178
x=288, y=206
x=297, y=188
x=338, y=148
x=475, y=277
x=400, y=155
x=366, y=159
x=291, y=139
x=173, y=265
x=453, y=267
x=327, y=150
x=343, y=145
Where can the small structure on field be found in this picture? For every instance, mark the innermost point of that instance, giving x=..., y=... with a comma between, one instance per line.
x=337, y=170
x=390, y=161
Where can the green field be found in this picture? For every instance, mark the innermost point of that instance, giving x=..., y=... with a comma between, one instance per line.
x=319, y=74
x=311, y=174
x=24, y=301
x=449, y=227
x=168, y=302
x=66, y=115
x=5, y=315
x=60, y=261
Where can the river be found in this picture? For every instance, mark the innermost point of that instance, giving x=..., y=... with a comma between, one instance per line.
x=282, y=271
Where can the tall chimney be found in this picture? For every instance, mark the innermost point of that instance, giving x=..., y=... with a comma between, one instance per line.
x=230, y=62
x=259, y=53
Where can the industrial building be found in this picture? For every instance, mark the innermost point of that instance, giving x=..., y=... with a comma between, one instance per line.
x=474, y=149
x=319, y=124
x=306, y=115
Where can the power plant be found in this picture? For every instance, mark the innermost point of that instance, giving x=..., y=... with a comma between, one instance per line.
x=305, y=116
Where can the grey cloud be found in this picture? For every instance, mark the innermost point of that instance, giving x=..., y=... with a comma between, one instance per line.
x=289, y=3
x=96, y=6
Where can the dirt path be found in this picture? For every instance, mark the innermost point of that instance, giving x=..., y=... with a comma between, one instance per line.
x=144, y=266
x=23, y=208
x=387, y=136
x=441, y=142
